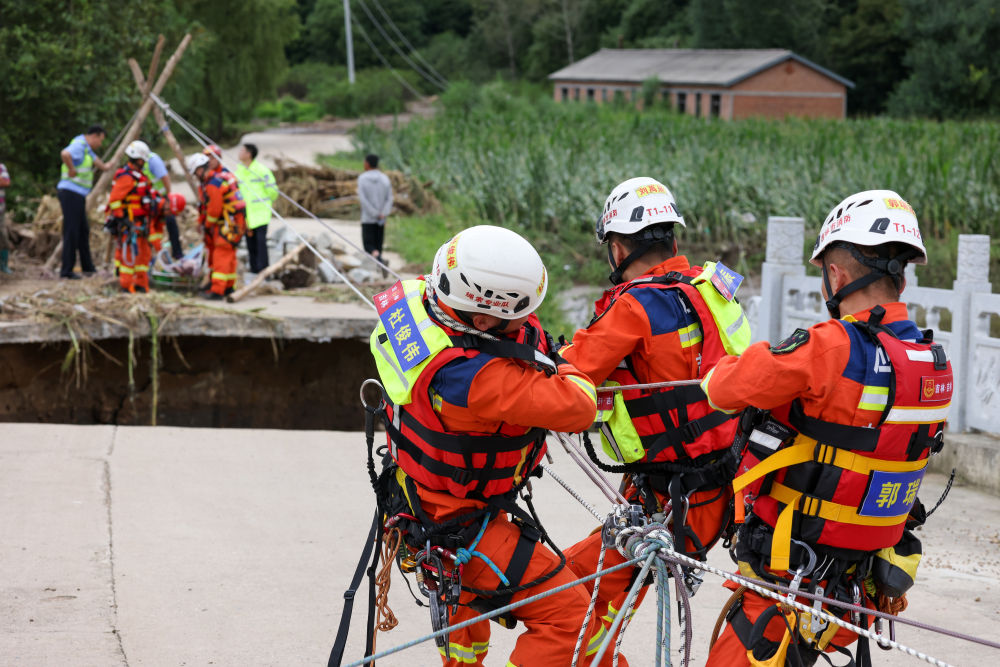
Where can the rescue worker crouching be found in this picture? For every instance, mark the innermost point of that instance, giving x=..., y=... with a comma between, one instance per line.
x=222, y=215
x=472, y=387
x=129, y=219
x=830, y=477
x=663, y=320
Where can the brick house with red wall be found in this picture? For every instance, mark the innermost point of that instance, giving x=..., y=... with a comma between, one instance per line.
x=723, y=83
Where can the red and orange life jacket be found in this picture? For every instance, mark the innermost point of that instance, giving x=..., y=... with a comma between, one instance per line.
x=466, y=465
x=135, y=203
x=674, y=424
x=851, y=487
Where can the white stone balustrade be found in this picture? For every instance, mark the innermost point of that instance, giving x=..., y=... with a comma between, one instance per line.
x=961, y=316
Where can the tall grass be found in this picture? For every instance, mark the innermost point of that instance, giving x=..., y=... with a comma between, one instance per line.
x=544, y=168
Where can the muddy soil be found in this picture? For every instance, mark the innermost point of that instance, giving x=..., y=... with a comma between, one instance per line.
x=213, y=382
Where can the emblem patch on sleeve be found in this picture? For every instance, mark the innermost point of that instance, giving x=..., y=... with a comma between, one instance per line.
x=798, y=338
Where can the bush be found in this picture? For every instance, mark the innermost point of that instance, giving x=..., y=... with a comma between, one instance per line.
x=289, y=110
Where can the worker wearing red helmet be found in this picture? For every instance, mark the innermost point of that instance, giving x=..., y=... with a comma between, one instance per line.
x=664, y=320
x=472, y=387
x=130, y=214
x=828, y=479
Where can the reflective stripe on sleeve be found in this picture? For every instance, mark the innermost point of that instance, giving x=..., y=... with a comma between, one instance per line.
x=586, y=385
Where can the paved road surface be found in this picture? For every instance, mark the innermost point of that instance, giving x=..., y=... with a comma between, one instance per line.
x=183, y=547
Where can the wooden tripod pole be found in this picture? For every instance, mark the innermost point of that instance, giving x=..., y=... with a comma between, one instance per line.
x=161, y=121
x=140, y=117
x=130, y=135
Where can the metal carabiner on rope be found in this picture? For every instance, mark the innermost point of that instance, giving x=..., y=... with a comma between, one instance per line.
x=383, y=397
x=802, y=570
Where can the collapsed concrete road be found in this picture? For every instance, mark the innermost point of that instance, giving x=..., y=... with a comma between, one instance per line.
x=169, y=546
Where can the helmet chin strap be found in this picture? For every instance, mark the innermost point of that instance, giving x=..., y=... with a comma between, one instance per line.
x=880, y=268
x=615, y=276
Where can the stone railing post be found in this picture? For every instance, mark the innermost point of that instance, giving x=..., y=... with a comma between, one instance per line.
x=973, y=276
x=785, y=237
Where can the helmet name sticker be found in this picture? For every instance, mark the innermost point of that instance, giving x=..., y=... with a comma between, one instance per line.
x=891, y=494
x=451, y=259
x=651, y=189
x=726, y=281
x=892, y=202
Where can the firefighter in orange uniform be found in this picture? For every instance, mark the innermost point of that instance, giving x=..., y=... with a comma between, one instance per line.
x=830, y=476
x=663, y=320
x=223, y=216
x=472, y=385
x=129, y=209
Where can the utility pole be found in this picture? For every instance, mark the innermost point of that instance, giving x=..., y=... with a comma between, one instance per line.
x=350, y=43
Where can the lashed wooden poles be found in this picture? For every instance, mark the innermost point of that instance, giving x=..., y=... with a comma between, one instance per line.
x=161, y=122
x=130, y=135
x=140, y=117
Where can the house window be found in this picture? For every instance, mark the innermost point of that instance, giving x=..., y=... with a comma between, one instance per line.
x=697, y=104
x=590, y=94
x=716, y=105
x=565, y=93
x=682, y=102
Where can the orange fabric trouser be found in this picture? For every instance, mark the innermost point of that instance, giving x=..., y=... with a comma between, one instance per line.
x=156, y=231
x=222, y=260
x=728, y=650
x=704, y=520
x=552, y=623
x=133, y=263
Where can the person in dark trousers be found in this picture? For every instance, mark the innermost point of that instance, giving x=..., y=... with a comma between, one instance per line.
x=79, y=161
x=375, y=196
x=259, y=191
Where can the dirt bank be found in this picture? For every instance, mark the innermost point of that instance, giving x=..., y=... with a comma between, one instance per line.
x=217, y=382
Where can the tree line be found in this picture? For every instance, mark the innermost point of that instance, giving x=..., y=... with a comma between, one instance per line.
x=63, y=65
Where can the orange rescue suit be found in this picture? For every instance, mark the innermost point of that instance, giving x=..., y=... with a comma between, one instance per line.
x=129, y=205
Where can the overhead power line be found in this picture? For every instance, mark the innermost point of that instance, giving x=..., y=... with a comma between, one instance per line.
x=416, y=54
x=416, y=68
x=404, y=82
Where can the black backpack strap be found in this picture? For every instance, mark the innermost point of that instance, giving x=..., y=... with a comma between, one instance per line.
x=510, y=349
x=337, y=653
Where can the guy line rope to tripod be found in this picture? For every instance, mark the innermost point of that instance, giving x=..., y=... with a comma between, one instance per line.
x=204, y=140
x=655, y=543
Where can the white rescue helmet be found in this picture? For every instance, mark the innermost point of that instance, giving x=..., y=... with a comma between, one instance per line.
x=137, y=150
x=195, y=161
x=492, y=270
x=871, y=218
x=636, y=204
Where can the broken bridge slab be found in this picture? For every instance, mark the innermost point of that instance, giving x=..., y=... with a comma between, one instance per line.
x=266, y=316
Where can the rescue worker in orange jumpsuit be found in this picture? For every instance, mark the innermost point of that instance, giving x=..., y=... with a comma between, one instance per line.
x=663, y=320
x=129, y=207
x=830, y=477
x=472, y=385
x=223, y=216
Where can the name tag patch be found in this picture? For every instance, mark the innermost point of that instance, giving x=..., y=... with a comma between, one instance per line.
x=726, y=281
x=936, y=389
x=891, y=493
x=400, y=327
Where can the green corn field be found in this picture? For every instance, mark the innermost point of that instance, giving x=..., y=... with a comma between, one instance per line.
x=544, y=168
